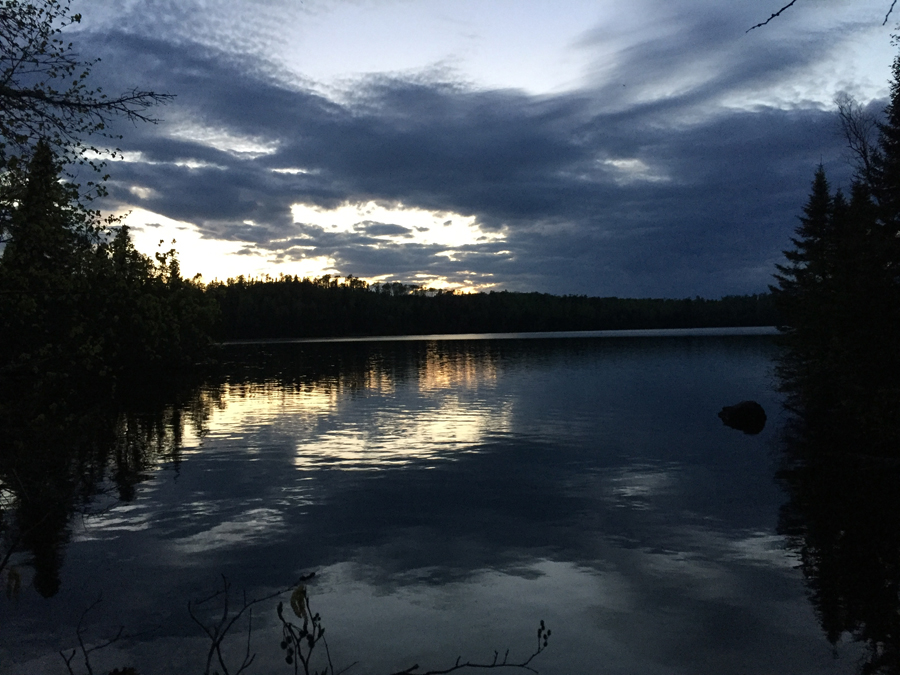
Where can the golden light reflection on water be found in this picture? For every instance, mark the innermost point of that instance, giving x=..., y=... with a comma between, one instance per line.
x=404, y=436
x=370, y=417
x=443, y=371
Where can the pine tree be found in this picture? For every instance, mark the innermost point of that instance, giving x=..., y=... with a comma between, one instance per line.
x=803, y=282
x=886, y=175
x=79, y=304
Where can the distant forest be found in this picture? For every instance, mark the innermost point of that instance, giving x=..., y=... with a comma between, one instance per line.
x=291, y=307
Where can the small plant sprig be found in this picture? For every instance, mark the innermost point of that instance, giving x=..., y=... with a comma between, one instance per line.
x=298, y=642
x=216, y=632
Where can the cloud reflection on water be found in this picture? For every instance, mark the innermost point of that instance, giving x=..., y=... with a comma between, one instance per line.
x=589, y=484
x=362, y=421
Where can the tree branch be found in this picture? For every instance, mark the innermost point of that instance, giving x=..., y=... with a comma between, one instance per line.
x=218, y=632
x=858, y=127
x=127, y=104
x=791, y=4
x=775, y=15
x=85, y=650
x=543, y=635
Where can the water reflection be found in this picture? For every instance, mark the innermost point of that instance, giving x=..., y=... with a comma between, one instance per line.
x=455, y=492
x=843, y=518
x=443, y=412
x=78, y=462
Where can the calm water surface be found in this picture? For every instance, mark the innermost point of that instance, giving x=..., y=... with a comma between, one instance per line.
x=449, y=495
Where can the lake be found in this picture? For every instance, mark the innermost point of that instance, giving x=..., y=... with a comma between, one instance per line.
x=449, y=494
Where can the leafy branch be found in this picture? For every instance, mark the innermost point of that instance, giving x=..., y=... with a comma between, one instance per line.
x=218, y=631
x=45, y=93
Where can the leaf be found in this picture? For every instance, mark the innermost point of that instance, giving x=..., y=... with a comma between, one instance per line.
x=298, y=601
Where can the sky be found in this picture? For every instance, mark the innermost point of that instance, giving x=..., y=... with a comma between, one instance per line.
x=644, y=149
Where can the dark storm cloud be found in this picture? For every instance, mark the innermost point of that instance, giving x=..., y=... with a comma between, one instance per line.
x=603, y=191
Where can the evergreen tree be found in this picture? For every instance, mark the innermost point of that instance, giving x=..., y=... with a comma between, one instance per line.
x=79, y=305
x=44, y=263
x=839, y=294
x=803, y=282
x=886, y=162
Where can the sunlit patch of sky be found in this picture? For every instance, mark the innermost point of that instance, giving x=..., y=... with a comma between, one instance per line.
x=633, y=170
x=247, y=147
x=213, y=258
x=397, y=223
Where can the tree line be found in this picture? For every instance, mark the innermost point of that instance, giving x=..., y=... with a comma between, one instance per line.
x=291, y=307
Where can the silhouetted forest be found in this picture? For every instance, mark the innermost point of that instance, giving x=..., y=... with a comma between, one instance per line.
x=80, y=308
x=290, y=307
x=839, y=296
x=839, y=292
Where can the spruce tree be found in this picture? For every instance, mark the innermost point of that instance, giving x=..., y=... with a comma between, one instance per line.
x=886, y=175
x=805, y=278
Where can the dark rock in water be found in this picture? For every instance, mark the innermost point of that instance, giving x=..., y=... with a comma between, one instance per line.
x=746, y=416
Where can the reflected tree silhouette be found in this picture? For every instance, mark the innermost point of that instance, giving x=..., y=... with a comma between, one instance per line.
x=65, y=456
x=843, y=519
x=59, y=458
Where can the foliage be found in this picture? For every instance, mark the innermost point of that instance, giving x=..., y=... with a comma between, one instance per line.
x=78, y=308
x=299, y=642
x=843, y=521
x=44, y=91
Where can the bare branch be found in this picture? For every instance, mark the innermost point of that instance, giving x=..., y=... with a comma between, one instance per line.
x=85, y=650
x=219, y=631
x=775, y=15
x=791, y=4
x=858, y=128
x=129, y=105
x=543, y=635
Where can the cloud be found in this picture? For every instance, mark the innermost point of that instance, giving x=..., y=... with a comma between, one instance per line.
x=383, y=229
x=677, y=183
